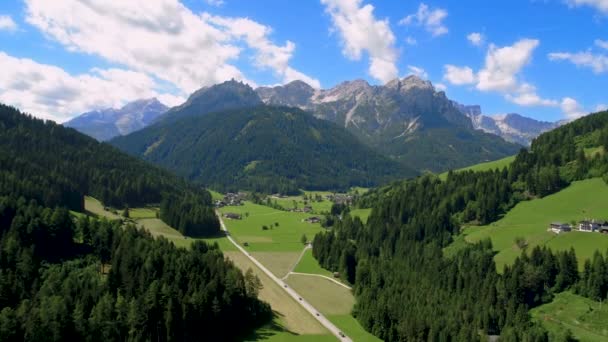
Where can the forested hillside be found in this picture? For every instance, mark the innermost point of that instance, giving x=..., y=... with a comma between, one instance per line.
x=265, y=149
x=68, y=279
x=57, y=166
x=407, y=289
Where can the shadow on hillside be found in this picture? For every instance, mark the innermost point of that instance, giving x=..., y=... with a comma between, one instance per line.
x=270, y=329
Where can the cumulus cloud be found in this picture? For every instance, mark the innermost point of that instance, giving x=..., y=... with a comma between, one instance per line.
x=501, y=74
x=601, y=44
x=475, y=38
x=414, y=70
x=601, y=107
x=7, y=23
x=361, y=32
x=162, y=38
x=596, y=62
x=459, y=75
x=600, y=5
x=52, y=93
x=430, y=19
x=503, y=64
x=571, y=108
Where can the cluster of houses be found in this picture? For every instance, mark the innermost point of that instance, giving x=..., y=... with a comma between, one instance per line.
x=589, y=226
x=231, y=200
x=340, y=198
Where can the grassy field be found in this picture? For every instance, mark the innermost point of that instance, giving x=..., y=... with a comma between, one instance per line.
x=215, y=195
x=586, y=319
x=362, y=213
x=282, y=238
x=279, y=263
x=142, y=213
x=491, y=165
x=291, y=318
x=333, y=301
x=318, y=207
x=309, y=264
x=530, y=220
x=93, y=207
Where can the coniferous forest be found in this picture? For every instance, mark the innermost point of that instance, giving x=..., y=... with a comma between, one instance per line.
x=407, y=289
x=64, y=278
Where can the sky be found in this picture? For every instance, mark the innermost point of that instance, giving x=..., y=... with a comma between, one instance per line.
x=546, y=59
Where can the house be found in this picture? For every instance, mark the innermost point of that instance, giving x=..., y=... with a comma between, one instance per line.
x=313, y=219
x=588, y=226
x=558, y=227
x=234, y=199
x=233, y=216
x=307, y=209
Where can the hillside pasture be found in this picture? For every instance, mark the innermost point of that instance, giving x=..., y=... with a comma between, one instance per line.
x=490, y=165
x=530, y=220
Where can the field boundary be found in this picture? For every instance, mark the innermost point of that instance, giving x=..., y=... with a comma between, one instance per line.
x=322, y=276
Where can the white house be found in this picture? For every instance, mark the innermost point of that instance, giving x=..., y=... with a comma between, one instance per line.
x=558, y=227
x=588, y=226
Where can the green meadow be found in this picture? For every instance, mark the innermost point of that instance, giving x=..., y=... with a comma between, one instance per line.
x=284, y=237
x=586, y=319
x=491, y=165
x=308, y=264
x=530, y=220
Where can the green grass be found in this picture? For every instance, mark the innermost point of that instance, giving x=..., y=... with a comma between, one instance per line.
x=215, y=195
x=586, y=319
x=309, y=264
x=491, y=165
x=326, y=296
x=279, y=263
x=351, y=327
x=317, y=207
x=95, y=208
x=590, y=152
x=284, y=238
x=159, y=228
x=530, y=220
x=142, y=213
x=362, y=213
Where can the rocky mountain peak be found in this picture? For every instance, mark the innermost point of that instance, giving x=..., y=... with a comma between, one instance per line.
x=408, y=83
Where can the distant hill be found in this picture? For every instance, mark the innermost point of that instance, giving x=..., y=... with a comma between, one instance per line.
x=406, y=119
x=270, y=149
x=106, y=124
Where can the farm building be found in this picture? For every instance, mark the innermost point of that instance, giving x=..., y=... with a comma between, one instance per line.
x=558, y=227
x=589, y=226
x=313, y=219
x=233, y=216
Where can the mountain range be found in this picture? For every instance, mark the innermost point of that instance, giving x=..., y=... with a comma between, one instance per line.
x=263, y=148
x=106, y=124
x=512, y=127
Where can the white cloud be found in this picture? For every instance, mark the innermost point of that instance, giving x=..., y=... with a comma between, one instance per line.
x=7, y=23
x=601, y=107
x=597, y=62
x=503, y=64
x=501, y=74
x=414, y=70
x=459, y=75
x=362, y=32
x=215, y=3
x=602, y=44
x=50, y=92
x=441, y=87
x=431, y=20
x=475, y=38
x=600, y=5
x=571, y=108
x=162, y=38
x=411, y=40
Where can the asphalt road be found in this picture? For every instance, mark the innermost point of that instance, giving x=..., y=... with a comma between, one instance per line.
x=316, y=314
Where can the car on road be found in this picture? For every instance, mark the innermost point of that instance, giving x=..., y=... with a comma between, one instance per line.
x=318, y=314
x=342, y=334
x=285, y=286
x=300, y=298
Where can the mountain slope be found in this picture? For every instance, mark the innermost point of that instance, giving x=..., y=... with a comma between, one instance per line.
x=58, y=166
x=271, y=149
x=512, y=127
x=107, y=123
x=217, y=98
x=405, y=119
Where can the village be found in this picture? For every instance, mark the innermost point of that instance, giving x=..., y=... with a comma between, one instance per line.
x=587, y=226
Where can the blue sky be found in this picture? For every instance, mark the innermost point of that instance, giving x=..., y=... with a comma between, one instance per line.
x=544, y=59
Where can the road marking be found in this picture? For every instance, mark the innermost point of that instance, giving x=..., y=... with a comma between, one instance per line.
x=314, y=312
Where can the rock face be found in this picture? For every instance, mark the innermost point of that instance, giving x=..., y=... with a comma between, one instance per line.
x=108, y=123
x=511, y=127
x=406, y=119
